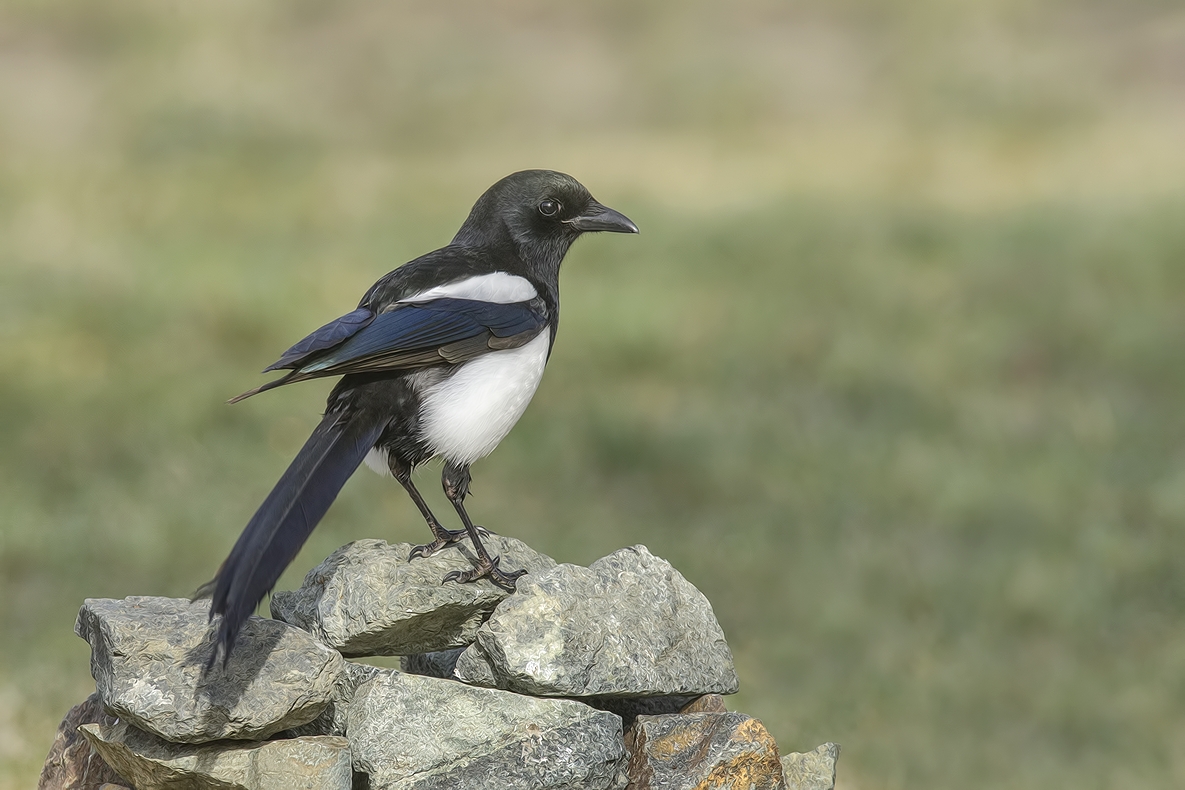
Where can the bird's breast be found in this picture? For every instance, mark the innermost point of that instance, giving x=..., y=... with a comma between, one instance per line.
x=463, y=416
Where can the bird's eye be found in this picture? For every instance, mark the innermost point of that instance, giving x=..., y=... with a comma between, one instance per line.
x=549, y=207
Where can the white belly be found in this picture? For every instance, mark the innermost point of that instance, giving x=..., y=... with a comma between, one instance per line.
x=465, y=415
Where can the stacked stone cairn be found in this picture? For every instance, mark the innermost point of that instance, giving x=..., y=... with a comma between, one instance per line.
x=608, y=676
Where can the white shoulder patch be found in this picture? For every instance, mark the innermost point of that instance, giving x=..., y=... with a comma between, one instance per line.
x=496, y=287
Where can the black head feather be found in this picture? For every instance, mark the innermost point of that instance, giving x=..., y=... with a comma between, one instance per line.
x=539, y=213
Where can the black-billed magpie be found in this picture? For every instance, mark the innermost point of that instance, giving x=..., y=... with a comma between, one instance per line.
x=439, y=360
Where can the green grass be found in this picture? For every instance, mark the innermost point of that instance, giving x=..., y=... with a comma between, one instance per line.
x=913, y=424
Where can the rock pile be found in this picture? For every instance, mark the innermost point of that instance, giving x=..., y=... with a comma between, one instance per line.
x=608, y=676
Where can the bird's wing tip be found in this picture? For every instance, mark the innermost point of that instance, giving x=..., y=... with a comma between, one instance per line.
x=243, y=396
x=204, y=591
x=290, y=377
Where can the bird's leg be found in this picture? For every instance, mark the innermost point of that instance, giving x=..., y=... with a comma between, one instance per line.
x=442, y=537
x=455, y=480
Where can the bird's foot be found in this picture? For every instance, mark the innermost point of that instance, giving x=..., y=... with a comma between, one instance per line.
x=486, y=569
x=444, y=538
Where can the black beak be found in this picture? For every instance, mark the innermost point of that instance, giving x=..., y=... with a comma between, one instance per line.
x=597, y=217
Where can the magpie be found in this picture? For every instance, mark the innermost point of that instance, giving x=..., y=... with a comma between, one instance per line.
x=439, y=360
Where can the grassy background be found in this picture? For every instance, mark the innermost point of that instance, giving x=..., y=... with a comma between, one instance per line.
x=893, y=373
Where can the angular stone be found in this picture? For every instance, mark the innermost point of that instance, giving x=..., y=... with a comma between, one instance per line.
x=813, y=770
x=442, y=664
x=367, y=599
x=627, y=625
x=705, y=751
x=332, y=720
x=414, y=732
x=154, y=764
x=73, y=764
x=148, y=657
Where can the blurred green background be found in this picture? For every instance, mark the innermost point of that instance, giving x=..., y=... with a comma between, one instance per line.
x=894, y=373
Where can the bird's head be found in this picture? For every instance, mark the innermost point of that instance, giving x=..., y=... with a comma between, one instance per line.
x=541, y=212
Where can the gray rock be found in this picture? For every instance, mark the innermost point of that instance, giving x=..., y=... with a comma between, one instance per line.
x=366, y=599
x=153, y=764
x=435, y=665
x=706, y=751
x=73, y=764
x=442, y=664
x=332, y=720
x=811, y=770
x=409, y=731
x=148, y=656
x=627, y=625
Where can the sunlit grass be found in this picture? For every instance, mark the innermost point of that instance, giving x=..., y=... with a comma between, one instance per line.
x=923, y=464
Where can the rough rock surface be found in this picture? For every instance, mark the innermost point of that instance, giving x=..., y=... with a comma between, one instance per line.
x=410, y=731
x=811, y=770
x=706, y=751
x=148, y=655
x=442, y=664
x=366, y=599
x=708, y=703
x=332, y=720
x=73, y=764
x=153, y=764
x=627, y=625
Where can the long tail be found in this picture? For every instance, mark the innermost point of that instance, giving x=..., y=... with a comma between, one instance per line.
x=285, y=519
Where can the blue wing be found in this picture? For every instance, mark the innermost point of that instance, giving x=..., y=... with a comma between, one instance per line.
x=411, y=335
x=438, y=328
x=324, y=338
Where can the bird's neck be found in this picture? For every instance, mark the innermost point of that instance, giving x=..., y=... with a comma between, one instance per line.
x=541, y=258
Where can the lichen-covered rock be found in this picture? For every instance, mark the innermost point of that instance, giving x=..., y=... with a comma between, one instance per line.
x=73, y=764
x=627, y=625
x=367, y=599
x=705, y=751
x=814, y=770
x=410, y=732
x=153, y=764
x=332, y=720
x=148, y=657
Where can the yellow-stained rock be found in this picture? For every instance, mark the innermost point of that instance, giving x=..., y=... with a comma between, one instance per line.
x=706, y=703
x=703, y=751
x=73, y=764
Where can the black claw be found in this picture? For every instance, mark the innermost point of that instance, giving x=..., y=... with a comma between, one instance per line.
x=446, y=537
x=486, y=570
